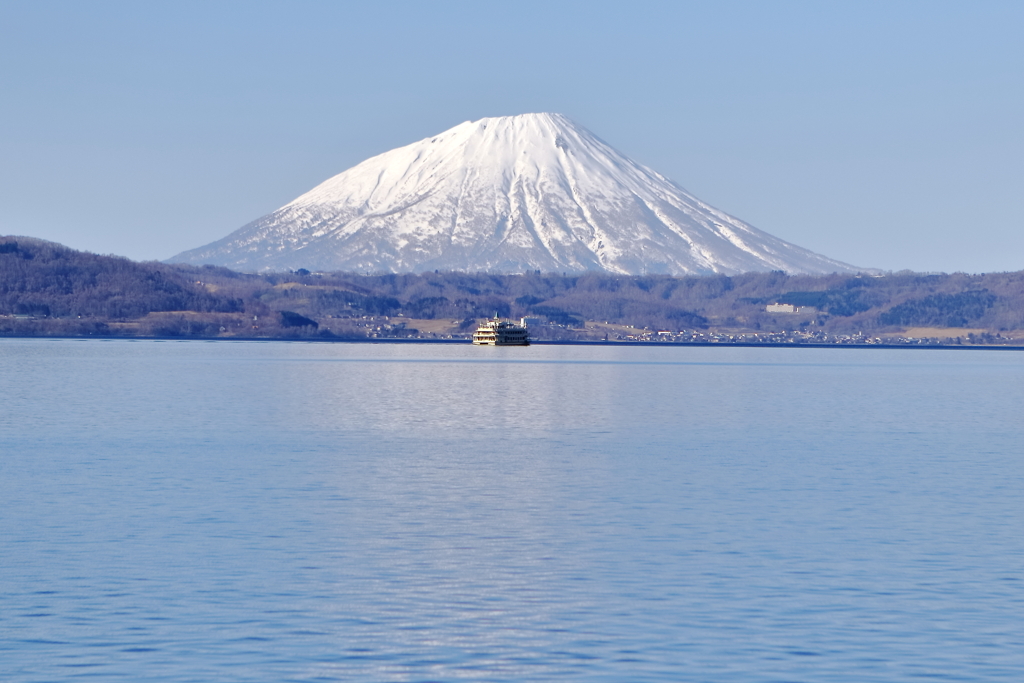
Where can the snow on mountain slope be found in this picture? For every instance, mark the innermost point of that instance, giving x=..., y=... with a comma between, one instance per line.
x=508, y=194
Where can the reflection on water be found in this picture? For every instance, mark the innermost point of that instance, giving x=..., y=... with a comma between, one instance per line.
x=274, y=511
x=452, y=392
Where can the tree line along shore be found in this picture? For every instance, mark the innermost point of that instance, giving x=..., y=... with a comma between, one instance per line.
x=50, y=290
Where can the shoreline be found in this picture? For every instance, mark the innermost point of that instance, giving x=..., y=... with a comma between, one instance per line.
x=552, y=342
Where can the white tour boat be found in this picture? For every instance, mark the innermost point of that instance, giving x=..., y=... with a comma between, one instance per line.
x=499, y=332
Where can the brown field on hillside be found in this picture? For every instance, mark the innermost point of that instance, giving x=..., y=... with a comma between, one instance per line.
x=941, y=332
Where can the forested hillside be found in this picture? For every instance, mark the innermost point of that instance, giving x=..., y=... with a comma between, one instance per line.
x=47, y=279
x=48, y=289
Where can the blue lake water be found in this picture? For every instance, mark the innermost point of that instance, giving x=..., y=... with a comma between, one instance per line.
x=243, y=511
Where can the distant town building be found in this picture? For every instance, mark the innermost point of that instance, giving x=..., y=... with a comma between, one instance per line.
x=782, y=308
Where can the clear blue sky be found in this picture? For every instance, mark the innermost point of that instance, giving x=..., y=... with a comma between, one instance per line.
x=885, y=134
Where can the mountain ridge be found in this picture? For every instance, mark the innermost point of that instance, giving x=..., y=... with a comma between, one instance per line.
x=506, y=194
x=47, y=289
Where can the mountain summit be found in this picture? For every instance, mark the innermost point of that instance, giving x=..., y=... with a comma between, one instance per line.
x=508, y=194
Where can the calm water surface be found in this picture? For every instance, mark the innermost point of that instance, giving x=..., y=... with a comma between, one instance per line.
x=221, y=511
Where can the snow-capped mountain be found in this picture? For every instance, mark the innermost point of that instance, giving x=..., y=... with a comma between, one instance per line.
x=508, y=194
